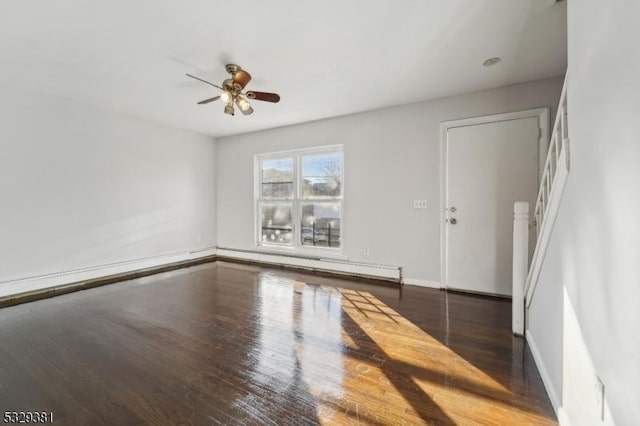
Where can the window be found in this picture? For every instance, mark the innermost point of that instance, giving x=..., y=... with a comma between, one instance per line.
x=299, y=198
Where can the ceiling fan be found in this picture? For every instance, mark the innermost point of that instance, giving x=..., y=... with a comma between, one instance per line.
x=233, y=91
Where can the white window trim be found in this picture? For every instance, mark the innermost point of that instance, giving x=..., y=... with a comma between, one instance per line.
x=297, y=200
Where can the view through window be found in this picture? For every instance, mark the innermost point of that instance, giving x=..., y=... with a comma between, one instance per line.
x=300, y=196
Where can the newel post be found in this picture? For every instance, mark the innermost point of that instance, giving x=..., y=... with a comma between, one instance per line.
x=520, y=264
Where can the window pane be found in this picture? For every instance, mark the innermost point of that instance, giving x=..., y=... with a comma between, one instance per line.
x=277, y=177
x=321, y=224
x=322, y=175
x=277, y=224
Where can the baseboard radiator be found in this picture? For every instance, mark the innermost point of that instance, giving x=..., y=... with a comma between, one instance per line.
x=311, y=263
x=56, y=281
x=19, y=290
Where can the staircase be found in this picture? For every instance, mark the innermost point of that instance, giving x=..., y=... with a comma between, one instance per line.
x=554, y=179
x=552, y=183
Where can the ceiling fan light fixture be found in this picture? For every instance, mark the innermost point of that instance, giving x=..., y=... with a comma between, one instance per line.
x=225, y=96
x=229, y=109
x=244, y=105
x=247, y=111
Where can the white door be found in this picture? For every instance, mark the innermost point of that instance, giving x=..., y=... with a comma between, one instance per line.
x=488, y=168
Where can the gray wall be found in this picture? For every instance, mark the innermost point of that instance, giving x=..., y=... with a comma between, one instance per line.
x=391, y=158
x=596, y=241
x=82, y=186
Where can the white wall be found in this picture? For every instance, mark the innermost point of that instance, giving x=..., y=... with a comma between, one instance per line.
x=391, y=158
x=82, y=187
x=545, y=320
x=596, y=241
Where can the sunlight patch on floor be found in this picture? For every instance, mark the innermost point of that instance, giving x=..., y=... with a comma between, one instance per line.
x=358, y=361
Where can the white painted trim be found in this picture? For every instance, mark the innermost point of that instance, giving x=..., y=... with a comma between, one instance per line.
x=314, y=149
x=422, y=283
x=555, y=196
x=548, y=385
x=388, y=272
x=563, y=417
x=61, y=278
x=520, y=264
x=543, y=121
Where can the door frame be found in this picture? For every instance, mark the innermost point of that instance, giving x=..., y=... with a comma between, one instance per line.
x=543, y=144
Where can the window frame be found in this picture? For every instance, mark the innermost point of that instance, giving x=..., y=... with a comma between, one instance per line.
x=296, y=201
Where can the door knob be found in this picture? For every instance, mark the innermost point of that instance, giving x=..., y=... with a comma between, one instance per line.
x=453, y=221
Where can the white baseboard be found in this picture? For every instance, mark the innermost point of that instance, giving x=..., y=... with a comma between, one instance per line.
x=422, y=283
x=563, y=417
x=386, y=272
x=57, y=279
x=537, y=357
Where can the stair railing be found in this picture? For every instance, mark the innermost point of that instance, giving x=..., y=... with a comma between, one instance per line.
x=552, y=183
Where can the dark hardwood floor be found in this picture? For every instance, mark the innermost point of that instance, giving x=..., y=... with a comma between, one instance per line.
x=225, y=343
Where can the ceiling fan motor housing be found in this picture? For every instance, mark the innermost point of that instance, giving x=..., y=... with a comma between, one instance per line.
x=232, y=68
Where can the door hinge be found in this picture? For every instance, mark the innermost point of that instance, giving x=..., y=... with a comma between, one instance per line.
x=539, y=133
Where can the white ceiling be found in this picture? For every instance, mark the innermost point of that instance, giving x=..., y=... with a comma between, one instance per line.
x=325, y=58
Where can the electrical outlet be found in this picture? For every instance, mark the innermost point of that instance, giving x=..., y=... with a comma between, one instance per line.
x=419, y=204
x=366, y=250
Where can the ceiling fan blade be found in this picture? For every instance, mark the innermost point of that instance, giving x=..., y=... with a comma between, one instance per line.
x=206, y=101
x=264, y=96
x=242, y=78
x=204, y=81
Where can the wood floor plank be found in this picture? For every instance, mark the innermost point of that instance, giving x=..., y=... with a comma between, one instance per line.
x=225, y=343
